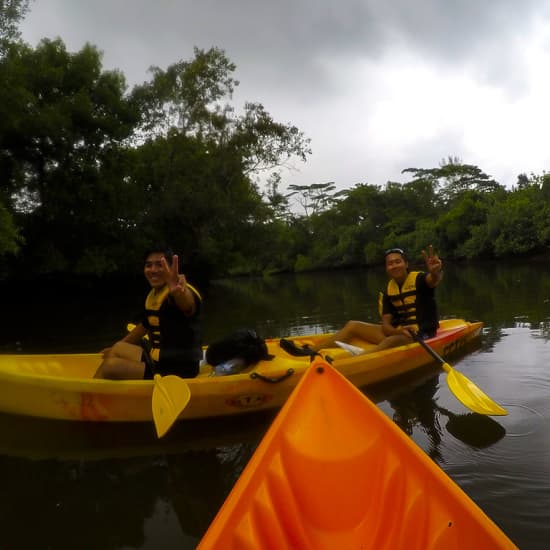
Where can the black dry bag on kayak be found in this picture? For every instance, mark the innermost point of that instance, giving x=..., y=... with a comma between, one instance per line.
x=243, y=344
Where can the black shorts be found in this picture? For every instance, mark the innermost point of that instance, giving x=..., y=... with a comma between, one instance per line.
x=189, y=370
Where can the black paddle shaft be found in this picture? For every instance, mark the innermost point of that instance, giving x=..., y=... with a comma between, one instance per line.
x=432, y=352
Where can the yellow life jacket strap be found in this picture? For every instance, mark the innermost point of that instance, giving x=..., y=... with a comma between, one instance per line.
x=195, y=291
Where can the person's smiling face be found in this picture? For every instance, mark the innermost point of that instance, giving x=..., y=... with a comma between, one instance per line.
x=153, y=270
x=396, y=266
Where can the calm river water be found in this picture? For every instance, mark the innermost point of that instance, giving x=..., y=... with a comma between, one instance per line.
x=67, y=485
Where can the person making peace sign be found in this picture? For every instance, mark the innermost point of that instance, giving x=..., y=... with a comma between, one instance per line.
x=171, y=321
x=407, y=306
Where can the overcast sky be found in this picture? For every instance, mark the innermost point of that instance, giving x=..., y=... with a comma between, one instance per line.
x=378, y=85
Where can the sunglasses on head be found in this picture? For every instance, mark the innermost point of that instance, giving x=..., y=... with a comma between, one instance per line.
x=394, y=251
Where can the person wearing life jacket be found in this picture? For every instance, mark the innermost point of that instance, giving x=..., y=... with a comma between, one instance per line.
x=170, y=320
x=407, y=305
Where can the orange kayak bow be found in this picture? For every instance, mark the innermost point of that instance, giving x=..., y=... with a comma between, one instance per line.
x=333, y=471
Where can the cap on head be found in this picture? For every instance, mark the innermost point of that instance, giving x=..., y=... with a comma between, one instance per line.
x=396, y=251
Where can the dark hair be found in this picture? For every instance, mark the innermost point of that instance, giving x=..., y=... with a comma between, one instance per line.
x=166, y=251
x=396, y=251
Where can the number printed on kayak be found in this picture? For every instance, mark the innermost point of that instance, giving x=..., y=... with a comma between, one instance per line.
x=455, y=345
x=249, y=400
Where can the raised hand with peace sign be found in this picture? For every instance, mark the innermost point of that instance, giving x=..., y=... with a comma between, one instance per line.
x=434, y=266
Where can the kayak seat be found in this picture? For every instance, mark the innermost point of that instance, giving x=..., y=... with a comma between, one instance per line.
x=293, y=510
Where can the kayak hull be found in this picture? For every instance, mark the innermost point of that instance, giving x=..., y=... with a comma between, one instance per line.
x=62, y=386
x=333, y=471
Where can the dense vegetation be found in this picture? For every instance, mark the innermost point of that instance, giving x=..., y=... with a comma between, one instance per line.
x=92, y=173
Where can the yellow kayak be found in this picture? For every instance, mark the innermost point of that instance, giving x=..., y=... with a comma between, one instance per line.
x=61, y=385
x=333, y=471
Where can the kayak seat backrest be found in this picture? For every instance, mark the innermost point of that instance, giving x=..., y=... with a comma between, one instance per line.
x=343, y=479
x=337, y=502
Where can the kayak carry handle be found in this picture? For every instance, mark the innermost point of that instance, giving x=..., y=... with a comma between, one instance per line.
x=273, y=379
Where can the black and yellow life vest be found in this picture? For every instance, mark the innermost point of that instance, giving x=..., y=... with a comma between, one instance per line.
x=170, y=329
x=404, y=299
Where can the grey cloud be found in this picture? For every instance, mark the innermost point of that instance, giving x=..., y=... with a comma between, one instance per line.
x=298, y=57
x=294, y=37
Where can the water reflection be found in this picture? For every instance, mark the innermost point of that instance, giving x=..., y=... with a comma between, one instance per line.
x=67, y=505
x=418, y=408
x=119, y=502
x=113, y=504
x=76, y=481
x=500, y=295
x=414, y=402
x=475, y=430
x=200, y=481
x=39, y=439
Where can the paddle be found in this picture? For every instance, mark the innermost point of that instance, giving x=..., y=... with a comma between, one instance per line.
x=170, y=396
x=463, y=388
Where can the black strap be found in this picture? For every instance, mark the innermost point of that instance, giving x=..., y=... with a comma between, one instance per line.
x=291, y=348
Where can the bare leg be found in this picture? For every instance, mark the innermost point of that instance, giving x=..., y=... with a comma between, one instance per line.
x=369, y=332
x=393, y=341
x=122, y=362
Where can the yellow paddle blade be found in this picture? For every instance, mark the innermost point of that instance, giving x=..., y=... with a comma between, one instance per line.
x=170, y=396
x=470, y=395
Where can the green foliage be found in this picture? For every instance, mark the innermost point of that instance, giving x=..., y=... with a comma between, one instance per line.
x=457, y=208
x=372, y=253
x=11, y=13
x=64, y=122
x=454, y=226
x=455, y=178
x=426, y=233
x=515, y=223
x=479, y=245
x=277, y=201
x=10, y=238
x=192, y=98
x=313, y=198
x=303, y=263
x=188, y=95
x=92, y=174
x=264, y=144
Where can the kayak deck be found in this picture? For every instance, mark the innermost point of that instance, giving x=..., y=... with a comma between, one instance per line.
x=333, y=471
